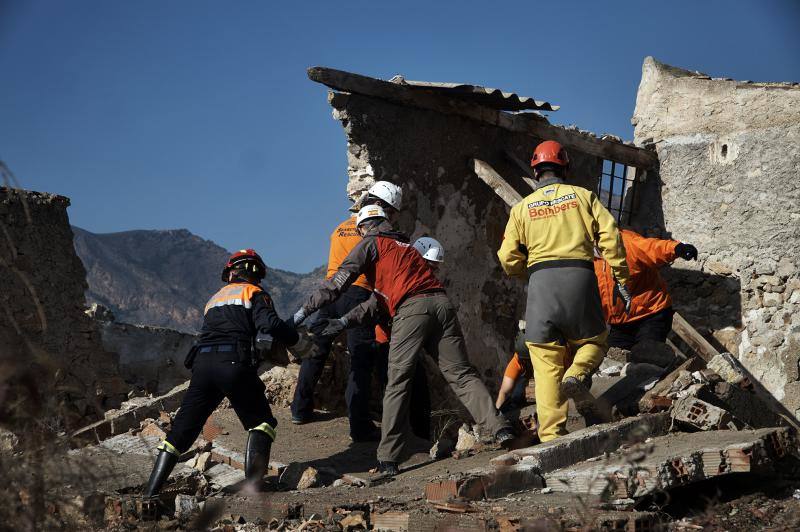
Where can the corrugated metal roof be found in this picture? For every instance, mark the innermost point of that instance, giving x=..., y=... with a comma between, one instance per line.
x=486, y=96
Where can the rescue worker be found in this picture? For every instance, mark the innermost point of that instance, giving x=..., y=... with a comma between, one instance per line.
x=422, y=318
x=360, y=339
x=650, y=314
x=420, y=403
x=516, y=376
x=551, y=235
x=223, y=365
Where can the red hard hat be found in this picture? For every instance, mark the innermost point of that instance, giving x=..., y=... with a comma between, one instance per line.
x=258, y=268
x=549, y=151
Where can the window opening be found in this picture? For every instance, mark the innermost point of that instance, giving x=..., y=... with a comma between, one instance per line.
x=617, y=190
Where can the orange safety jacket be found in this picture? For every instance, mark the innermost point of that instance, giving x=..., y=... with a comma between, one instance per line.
x=516, y=368
x=343, y=239
x=648, y=290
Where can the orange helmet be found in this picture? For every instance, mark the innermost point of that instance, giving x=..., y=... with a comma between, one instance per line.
x=551, y=152
x=248, y=260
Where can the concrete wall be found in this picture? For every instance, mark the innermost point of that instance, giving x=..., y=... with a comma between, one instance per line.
x=427, y=153
x=47, y=342
x=729, y=156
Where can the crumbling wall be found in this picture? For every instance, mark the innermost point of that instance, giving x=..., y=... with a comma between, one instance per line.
x=150, y=358
x=427, y=153
x=47, y=342
x=729, y=155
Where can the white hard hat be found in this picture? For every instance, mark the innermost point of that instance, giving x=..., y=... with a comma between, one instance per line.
x=388, y=192
x=368, y=212
x=430, y=249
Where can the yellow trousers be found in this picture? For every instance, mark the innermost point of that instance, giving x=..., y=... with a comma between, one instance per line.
x=550, y=368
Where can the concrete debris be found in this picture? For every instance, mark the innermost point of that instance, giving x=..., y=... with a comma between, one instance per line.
x=467, y=439
x=200, y=461
x=185, y=506
x=353, y=521
x=309, y=479
x=8, y=441
x=701, y=415
x=222, y=476
x=586, y=443
x=489, y=483
x=676, y=460
x=729, y=369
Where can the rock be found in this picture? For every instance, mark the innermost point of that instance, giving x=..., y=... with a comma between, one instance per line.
x=339, y=482
x=99, y=313
x=152, y=429
x=718, y=268
x=185, y=506
x=466, y=439
x=773, y=299
x=200, y=461
x=443, y=448
x=353, y=521
x=8, y=441
x=618, y=354
x=786, y=268
x=309, y=479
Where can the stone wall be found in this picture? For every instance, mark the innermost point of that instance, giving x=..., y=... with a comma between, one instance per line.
x=729, y=156
x=427, y=153
x=48, y=345
x=150, y=358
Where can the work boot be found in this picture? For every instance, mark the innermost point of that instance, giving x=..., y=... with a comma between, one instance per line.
x=585, y=402
x=256, y=456
x=388, y=468
x=165, y=462
x=504, y=437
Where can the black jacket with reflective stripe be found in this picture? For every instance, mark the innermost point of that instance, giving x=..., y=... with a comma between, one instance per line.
x=238, y=312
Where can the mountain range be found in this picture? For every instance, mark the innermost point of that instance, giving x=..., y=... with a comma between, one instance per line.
x=165, y=277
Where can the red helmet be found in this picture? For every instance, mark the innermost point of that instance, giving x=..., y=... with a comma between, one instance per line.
x=248, y=260
x=551, y=152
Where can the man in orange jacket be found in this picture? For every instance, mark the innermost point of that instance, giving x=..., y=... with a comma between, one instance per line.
x=360, y=339
x=650, y=314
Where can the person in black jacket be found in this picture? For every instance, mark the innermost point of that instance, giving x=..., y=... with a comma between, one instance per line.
x=223, y=365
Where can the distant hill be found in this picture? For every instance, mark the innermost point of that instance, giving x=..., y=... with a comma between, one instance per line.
x=164, y=278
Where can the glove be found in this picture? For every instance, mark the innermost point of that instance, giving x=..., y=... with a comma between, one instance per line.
x=334, y=326
x=622, y=292
x=686, y=251
x=299, y=317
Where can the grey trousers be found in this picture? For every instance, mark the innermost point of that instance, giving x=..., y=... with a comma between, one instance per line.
x=429, y=322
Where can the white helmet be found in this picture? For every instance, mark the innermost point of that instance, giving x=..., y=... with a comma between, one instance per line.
x=369, y=212
x=430, y=249
x=388, y=192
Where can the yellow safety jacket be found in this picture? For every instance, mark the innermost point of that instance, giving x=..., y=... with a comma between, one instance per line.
x=557, y=222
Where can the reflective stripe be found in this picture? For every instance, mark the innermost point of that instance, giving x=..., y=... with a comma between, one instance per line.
x=239, y=294
x=267, y=429
x=167, y=446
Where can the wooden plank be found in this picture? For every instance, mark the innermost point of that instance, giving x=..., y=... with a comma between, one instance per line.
x=693, y=339
x=526, y=169
x=500, y=186
x=527, y=123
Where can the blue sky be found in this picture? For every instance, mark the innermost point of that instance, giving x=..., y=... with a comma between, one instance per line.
x=195, y=114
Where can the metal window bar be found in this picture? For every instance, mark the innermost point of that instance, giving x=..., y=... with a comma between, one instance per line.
x=615, y=178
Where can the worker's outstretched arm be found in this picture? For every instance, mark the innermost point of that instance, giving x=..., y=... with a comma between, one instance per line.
x=370, y=311
x=654, y=252
x=506, y=387
x=513, y=252
x=268, y=322
x=365, y=253
x=609, y=240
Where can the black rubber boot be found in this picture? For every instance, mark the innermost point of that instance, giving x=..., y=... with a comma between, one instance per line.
x=256, y=456
x=165, y=462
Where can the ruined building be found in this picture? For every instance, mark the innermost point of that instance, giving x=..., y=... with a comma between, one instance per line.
x=714, y=164
x=48, y=345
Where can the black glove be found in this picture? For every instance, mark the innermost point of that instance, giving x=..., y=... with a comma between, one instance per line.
x=686, y=251
x=622, y=292
x=334, y=326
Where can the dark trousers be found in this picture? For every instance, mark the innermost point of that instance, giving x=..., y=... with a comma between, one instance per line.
x=654, y=327
x=419, y=416
x=361, y=345
x=215, y=376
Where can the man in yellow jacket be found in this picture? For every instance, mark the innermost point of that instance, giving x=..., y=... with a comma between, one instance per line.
x=551, y=235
